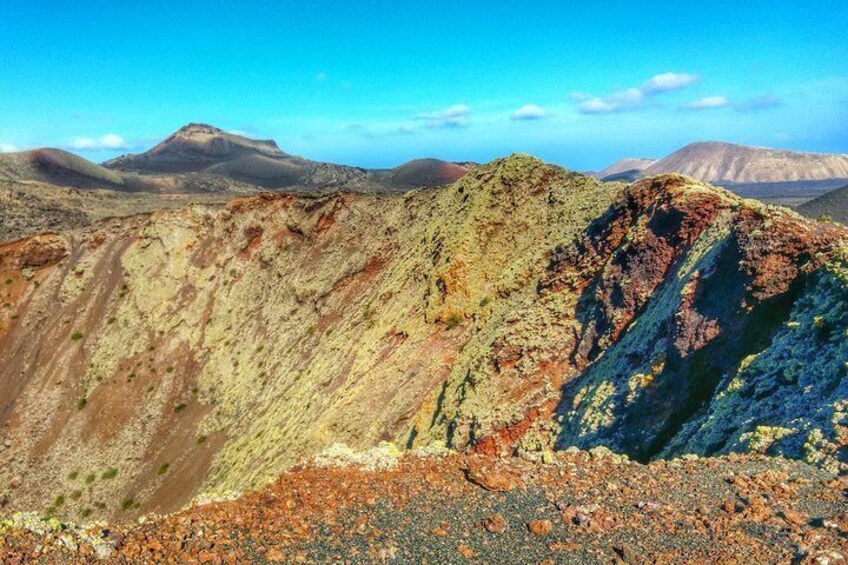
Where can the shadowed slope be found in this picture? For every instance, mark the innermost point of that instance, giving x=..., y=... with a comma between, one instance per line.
x=833, y=204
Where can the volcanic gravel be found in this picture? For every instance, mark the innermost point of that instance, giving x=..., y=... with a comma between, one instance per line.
x=583, y=507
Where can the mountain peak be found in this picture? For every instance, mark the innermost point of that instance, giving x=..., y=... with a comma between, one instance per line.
x=195, y=128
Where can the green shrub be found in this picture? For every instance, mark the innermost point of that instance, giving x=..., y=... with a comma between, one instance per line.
x=73, y=475
x=179, y=407
x=81, y=403
x=8, y=282
x=163, y=469
x=109, y=474
x=90, y=479
x=127, y=503
x=200, y=439
x=59, y=501
x=85, y=512
x=453, y=320
x=75, y=495
x=76, y=336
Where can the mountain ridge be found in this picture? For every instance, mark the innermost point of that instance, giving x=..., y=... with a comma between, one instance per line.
x=520, y=310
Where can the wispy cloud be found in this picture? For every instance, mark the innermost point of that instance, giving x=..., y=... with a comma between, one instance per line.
x=708, y=103
x=758, y=103
x=362, y=130
x=529, y=112
x=455, y=116
x=634, y=98
x=108, y=141
x=7, y=148
x=751, y=105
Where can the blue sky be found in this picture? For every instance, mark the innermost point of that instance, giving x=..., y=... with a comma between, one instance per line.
x=378, y=82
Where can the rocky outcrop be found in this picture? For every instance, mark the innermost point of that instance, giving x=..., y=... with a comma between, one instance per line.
x=637, y=323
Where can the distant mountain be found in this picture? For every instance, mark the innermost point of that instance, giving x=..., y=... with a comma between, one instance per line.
x=833, y=204
x=194, y=148
x=427, y=172
x=627, y=169
x=207, y=150
x=740, y=164
x=57, y=167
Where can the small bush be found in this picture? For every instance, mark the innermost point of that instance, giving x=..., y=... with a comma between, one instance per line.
x=81, y=403
x=59, y=501
x=100, y=505
x=111, y=320
x=179, y=407
x=90, y=479
x=73, y=475
x=76, y=336
x=85, y=512
x=169, y=369
x=8, y=282
x=127, y=503
x=453, y=321
x=110, y=474
x=485, y=302
x=75, y=495
x=200, y=439
x=163, y=469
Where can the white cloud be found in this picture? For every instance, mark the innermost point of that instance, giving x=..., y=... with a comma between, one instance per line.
x=635, y=97
x=665, y=82
x=598, y=106
x=529, y=112
x=708, y=103
x=751, y=105
x=455, y=116
x=7, y=148
x=108, y=141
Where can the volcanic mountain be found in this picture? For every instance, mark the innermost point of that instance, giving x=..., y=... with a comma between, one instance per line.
x=521, y=310
x=833, y=204
x=427, y=172
x=200, y=148
x=628, y=169
x=741, y=164
x=775, y=176
x=60, y=168
x=196, y=147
